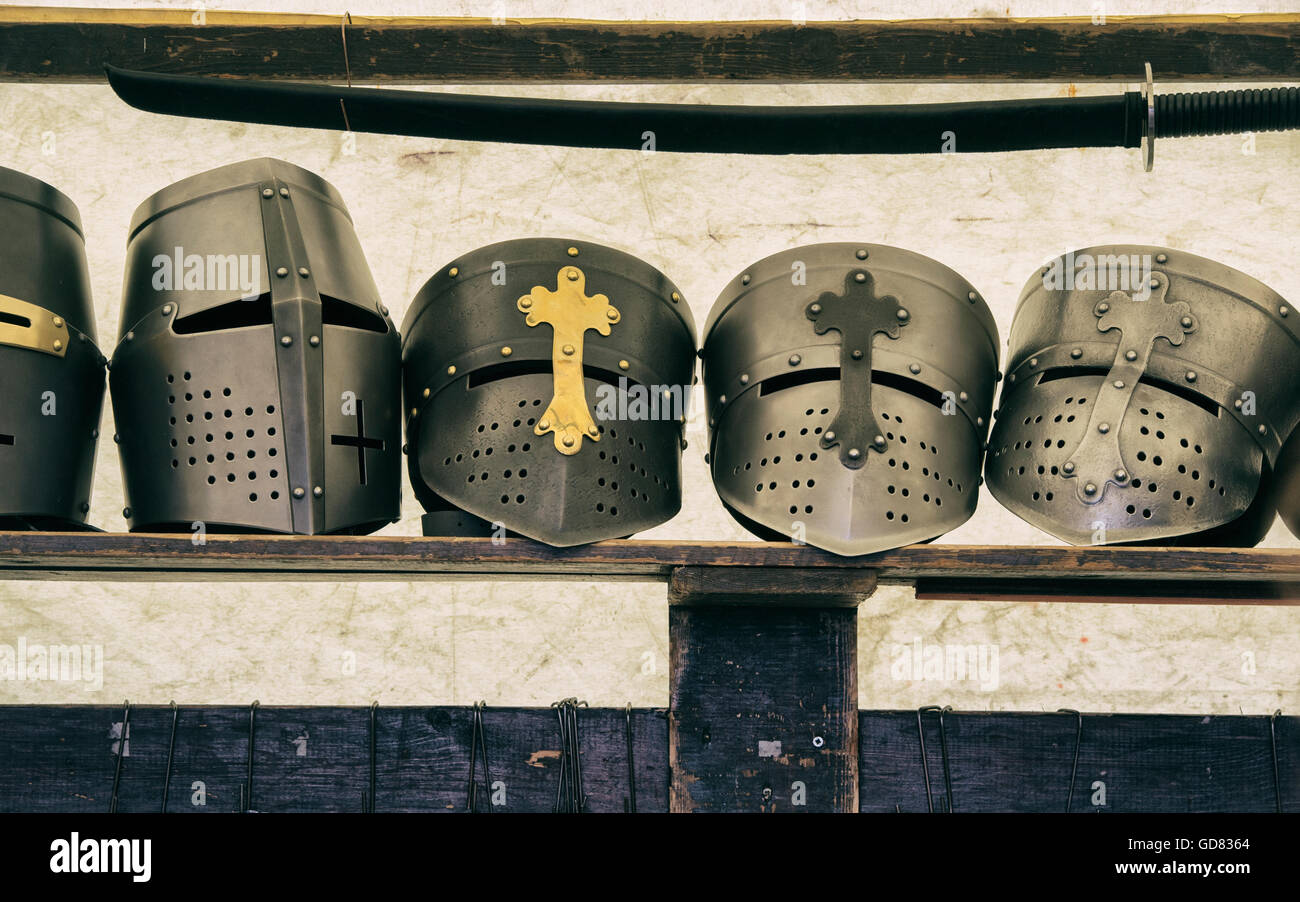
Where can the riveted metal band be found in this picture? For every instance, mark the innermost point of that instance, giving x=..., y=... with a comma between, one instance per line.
x=26, y=325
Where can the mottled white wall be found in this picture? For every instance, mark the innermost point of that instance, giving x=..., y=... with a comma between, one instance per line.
x=419, y=203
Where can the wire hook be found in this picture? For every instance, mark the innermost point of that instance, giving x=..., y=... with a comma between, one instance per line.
x=1078, y=739
x=629, y=804
x=943, y=744
x=246, y=791
x=1277, y=780
x=171, y=752
x=121, y=753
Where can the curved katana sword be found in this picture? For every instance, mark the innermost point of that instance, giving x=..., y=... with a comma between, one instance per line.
x=1131, y=119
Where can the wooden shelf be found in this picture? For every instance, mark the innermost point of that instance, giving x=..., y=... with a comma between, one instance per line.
x=1117, y=573
x=71, y=45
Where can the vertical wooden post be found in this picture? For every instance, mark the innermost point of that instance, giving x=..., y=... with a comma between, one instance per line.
x=763, y=709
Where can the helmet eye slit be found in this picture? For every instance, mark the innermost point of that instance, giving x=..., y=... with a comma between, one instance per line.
x=1069, y=372
x=237, y=314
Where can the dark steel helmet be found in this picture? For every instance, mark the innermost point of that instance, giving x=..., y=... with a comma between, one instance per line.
x=51, y=370
x=1148, y=391
x=849, y=388
x=256, y=382
x=547, y=382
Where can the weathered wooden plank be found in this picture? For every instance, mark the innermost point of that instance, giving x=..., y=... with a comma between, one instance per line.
x=1023, y=762
x=763, y=709
x=777, y=587
x=1214, y=575
x=73, y=44
x=62, y=758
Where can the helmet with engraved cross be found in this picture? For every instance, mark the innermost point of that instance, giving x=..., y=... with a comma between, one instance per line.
x=256, y=381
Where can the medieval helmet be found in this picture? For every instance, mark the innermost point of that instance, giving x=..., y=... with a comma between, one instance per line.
x=256, y=381
x=546, y=383
x=1147, y=396
x=50, y=367
x=849, y=388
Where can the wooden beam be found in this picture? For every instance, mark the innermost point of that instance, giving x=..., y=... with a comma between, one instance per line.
x=984, y=572
x=1022, y=762
x=62, y=759
x=763, y=709
x=71, y=45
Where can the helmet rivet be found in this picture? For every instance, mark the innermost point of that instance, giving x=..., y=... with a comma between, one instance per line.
x=1119, y=383
x=972, y=296
x=426, y=393
x=130, y=336
x=299, y=492
x=525, y=303
x=544, y=424
x=623, y=365
x=573, y=252
x=676, y=298
x=318, y=491
x=593, y=430
x=451, y=370
x=859, y=277
x=1237, y=403
x=1033, y=361
x=454, y=272
x=284, y=192
x=166, y=311
x=85, y=507
x=569, y=350
x=304, y=271
x=795, y=360
x=1263, y=430
x=1012, y=378
x=612, y=315
x=854, y=454
x=117, y=438
x=1155, y=283
x=1191, y=376
x=267, y=192
x=914, y=369
x=94, y=433
x=383, y=311
x=1130, y=355
x=506, y=351
x=902, y=314
x=856, y=355
x=415, y=412
x=744, y=280
x=286, y=340
x=1282, y=311
x=744, y=378
x=862, y=253
x=814, y=308
x=830, y=436
x=1069, y=467
x=282, y=271
x=1103, y=428
x=1120, y=476
x=722, y=399
x=1162, y=258
x=979, y=421
x=567, y=441
x=572, y=275
x=126, y=512
x=878, y=441
x=1103, y=307
x=1090, y=489
x=963, y=397
x=1076, y=353
x=314, y=341
x=1186, y=322
x=58, y=345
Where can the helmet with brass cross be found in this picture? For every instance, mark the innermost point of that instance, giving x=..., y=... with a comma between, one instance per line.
x=256, y=381
x=547, y=383
x=51, y=370
x=1148, y=393
x=849, y=389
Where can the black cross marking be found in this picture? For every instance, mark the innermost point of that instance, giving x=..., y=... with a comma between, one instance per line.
x=360, y=441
